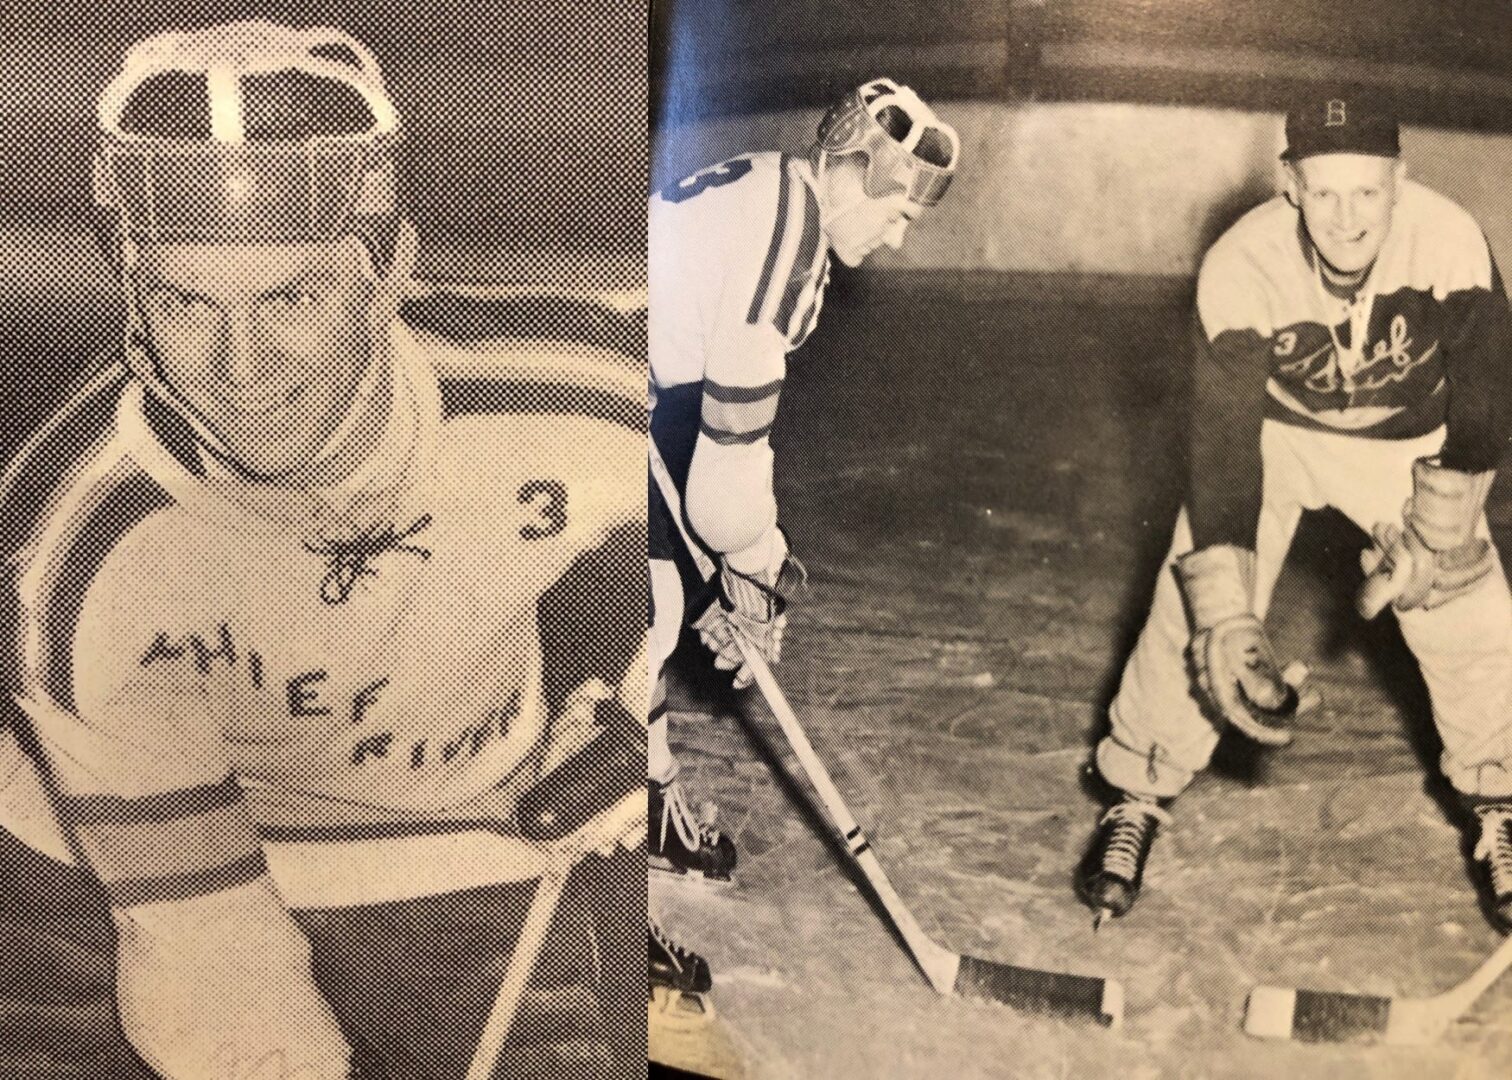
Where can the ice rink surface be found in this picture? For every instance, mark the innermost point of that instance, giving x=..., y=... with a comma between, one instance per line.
x=982, y=480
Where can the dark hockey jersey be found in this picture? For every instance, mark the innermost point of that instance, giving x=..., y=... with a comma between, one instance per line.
x=1272, y=342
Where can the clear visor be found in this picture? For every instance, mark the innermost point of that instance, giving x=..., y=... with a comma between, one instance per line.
x=892, y=166
x=852, y=129
x=215, y=192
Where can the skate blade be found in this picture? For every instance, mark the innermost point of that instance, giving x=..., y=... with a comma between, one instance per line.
x=670, y=873
x=671, y=1006
x=684, y=1032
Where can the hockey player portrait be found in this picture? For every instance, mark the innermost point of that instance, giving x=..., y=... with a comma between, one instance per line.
x=1352, y=349
x=739, y=262
x=326, y=641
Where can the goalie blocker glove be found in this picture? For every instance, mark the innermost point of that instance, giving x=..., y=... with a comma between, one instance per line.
x=1233, y=663
x=1434, y=556
x=752, y=605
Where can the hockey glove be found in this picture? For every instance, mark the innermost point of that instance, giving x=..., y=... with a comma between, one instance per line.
x=1434, y=556
x=1233, y=665
x=754, y=605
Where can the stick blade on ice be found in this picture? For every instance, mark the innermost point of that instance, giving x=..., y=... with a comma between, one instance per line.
x=1049, y=993
x=1276, y=1012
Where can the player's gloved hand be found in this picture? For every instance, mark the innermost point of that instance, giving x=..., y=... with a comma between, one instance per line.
x=1232, y=660
x=1434, y=556
x=754, y=605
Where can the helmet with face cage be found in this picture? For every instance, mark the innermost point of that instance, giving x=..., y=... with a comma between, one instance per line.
x=906, y=146
x=248, y=132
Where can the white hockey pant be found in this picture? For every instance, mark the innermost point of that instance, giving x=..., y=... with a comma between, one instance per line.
x=666, y=627
x=1160, y=738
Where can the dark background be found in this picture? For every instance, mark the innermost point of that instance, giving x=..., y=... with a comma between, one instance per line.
x=1448, y=62
x=525, y=118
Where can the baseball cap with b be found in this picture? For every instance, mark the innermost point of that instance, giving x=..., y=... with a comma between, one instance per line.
x=1342, y=122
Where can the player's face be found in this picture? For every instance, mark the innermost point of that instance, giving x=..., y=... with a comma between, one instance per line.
x=264, y=343
x=1347, y=202
x=858, y=224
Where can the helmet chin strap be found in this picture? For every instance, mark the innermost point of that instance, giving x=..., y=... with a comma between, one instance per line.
x=829, y=212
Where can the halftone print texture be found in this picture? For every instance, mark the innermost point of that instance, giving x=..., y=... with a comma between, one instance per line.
x=980, y=452
x=324, y=595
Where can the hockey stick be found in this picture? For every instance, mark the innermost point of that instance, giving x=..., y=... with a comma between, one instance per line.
x=1048, y=992
x=607, y=829
x=1276, y=1012
x=527, y=949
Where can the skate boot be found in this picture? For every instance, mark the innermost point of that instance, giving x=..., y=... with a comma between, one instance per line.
x=674, y=969
x=1111, y=873
x=681, y=843
x=1495, y=850
x=683, y=1030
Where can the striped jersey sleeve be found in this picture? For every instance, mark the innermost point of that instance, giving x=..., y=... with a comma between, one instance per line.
x=213, y=975
x=738, y=267
x=762, y=320
x=145, y=786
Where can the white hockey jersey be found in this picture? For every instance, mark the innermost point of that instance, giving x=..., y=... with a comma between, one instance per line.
x=209, y=663
x=739, y=263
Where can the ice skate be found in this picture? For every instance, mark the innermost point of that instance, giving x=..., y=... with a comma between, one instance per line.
x=1111, y=873
x=1494, y=848
x=681, y=843
x=683, y=1030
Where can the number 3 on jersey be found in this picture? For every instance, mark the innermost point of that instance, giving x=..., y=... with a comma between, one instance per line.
x=712, y=177
x=547, y=501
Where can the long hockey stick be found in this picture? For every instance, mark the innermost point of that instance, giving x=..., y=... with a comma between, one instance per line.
x=1276, y=1012
x=556, y=865
x=527, y=949
x=1047, y=992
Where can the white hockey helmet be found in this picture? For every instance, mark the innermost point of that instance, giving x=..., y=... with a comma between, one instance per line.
x=906, y=145
x=248, y=132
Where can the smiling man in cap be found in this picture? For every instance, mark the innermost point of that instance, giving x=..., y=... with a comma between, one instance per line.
x=1353, y=349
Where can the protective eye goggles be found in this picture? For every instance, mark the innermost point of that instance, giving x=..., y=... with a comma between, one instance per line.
x=229, y=193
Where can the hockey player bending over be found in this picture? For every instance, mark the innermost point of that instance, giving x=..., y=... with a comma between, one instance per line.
x=291, y=584
x=739, y=263
x=1353, y=349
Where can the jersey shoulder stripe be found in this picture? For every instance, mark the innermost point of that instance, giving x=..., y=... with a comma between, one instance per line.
x=41, y=468
x=31, y=485
x=465, y=318
x=774, y=247
x=102, y=515
x=804, y=272
x=482, y=396
x=535, y=354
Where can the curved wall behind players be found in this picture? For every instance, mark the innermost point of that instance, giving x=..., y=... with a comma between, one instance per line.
x=1107, y=188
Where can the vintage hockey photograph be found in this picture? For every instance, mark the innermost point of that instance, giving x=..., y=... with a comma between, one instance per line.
x=1081, y=638
x=325, y=597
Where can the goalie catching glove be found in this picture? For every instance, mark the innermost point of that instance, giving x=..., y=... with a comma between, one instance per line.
x=753, y=605
x=1232, y=661
x=1434, y=556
